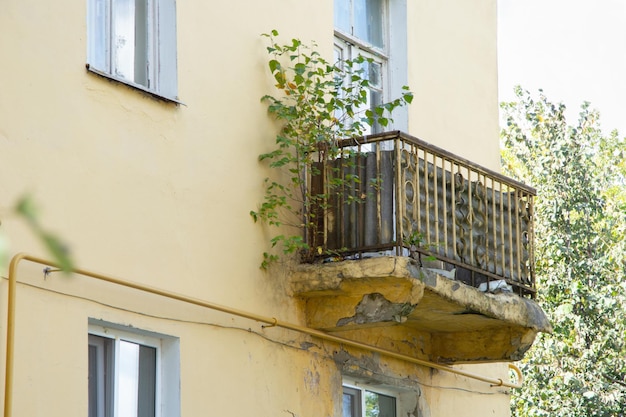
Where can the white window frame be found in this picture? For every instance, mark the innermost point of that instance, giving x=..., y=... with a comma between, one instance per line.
x=349, y=47
x=160, y=46
x=167, y=381
x=392, y=56
x=350, y=50
x=362, y=388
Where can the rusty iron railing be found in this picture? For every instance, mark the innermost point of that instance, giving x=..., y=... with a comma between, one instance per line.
x=400, y=195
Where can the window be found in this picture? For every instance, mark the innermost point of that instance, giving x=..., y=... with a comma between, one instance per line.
x=132, y=374
x=376, y=30
x=360, y=30
x=362, y=402
x=362, y=19
x=134, y=41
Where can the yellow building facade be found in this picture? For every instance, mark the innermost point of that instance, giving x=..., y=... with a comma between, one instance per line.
x=136, y=127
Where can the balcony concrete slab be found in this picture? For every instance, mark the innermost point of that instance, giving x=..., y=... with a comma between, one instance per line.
x=394, y=303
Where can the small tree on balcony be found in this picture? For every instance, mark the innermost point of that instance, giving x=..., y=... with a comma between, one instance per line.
x=318, y=103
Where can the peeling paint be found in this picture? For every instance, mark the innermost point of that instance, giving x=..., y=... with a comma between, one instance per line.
x=384, y=302
x=361, y=366
x=312, y=381
x=375, y=308
x=307, y=345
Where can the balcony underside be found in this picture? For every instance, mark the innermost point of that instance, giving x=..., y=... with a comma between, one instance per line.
x=393, y=303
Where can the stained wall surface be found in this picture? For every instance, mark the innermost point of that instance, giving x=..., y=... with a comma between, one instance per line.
x=159, y=193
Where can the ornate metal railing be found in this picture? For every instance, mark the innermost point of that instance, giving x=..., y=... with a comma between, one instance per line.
x=406, y=197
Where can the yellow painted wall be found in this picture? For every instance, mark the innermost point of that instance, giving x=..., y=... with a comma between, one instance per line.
x=453, y=70
x=159, y=194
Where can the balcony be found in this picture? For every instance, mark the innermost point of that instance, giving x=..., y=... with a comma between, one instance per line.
x=417, y=244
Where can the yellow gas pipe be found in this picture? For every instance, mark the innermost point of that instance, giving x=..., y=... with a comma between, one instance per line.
x=270, y=322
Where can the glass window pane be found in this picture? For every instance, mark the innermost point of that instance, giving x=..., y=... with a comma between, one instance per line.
x=348, y=405
x=100, y=382
x=162, y=47
x=378, y=405
x=128, y=379
x=343, y=15
x=124, y=39
x=134, y=40
x=351, y=402
x=373, y=73
x=338, y=54
x=141, y=42
x=129, y=364
x=374, y=99
x=93, y=381
x=386, y=406
x=147, y=382
x=98, y=35
x=368, y=21
x=136, y=380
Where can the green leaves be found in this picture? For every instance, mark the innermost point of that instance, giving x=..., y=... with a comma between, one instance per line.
x=26, y=209
x=580, y=229
x=318, y=104
x=274, y=64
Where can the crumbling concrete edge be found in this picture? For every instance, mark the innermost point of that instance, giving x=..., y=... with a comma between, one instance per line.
x=318, y=279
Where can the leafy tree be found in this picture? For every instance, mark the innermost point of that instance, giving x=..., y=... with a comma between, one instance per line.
x=580, y=236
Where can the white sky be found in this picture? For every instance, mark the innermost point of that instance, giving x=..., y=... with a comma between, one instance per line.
x=575, y=50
